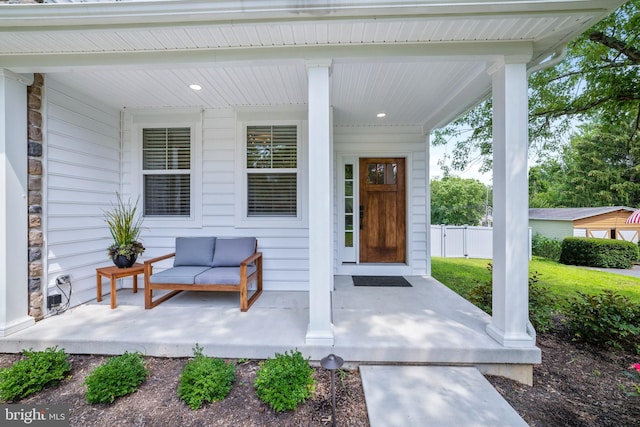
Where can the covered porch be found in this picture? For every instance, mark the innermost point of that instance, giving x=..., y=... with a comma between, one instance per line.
x=423, y=324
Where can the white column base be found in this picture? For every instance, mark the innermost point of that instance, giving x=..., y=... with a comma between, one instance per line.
x=511, y=340
x=16, y=325
x=320, y=337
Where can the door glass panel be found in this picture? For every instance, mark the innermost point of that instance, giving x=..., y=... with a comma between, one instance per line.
x=348, y=206
x=371, y=173
x=348, y=171
x=348, y=188
x=348, y=222
x=348, y=239
x=391, y=173
x=380, y=173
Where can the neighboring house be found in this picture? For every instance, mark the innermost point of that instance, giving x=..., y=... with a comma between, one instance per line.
x=608, y=222
x=310, y=131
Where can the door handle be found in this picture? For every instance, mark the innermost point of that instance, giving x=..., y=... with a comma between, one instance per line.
x=361, y=215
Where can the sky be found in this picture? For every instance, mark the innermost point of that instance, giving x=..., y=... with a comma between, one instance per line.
x=472, y=171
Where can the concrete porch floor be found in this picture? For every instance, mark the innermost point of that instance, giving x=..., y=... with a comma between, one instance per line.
x=423, y=324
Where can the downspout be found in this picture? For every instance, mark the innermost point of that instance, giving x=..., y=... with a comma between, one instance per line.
x=558, y=56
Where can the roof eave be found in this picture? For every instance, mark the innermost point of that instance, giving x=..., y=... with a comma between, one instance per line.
x=46, y=16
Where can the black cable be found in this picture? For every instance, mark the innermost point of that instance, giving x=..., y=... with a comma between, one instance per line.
x=64, y=307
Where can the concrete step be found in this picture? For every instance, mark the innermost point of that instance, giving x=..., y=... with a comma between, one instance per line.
x=434, y=396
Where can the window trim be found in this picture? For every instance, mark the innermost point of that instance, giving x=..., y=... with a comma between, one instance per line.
x=242, y=220
x=165, y=119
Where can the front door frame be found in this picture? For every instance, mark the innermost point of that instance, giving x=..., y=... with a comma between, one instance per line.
x=392, y=197
x=348, y=262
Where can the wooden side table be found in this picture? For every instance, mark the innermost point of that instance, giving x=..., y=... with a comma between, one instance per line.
x=113, y=273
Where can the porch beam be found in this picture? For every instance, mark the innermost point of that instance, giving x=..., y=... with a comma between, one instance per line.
x=14, y=298
x=510, y=208
x=320, y=330
x=482, y=52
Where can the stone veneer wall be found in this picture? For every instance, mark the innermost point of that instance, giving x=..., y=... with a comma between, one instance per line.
x=36, y=241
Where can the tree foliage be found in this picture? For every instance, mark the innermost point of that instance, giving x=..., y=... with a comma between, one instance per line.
x=458, y=201
x=599, y=167
x=598, y=82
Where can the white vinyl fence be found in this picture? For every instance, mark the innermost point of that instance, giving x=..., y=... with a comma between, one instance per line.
x=462, y=241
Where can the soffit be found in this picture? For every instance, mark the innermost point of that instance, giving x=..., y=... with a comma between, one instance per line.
x=322, y=33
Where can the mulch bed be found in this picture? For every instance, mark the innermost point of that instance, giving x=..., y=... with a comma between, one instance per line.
x=576, y=385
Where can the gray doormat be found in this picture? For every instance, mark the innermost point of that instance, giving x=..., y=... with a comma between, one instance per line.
x=391, y=281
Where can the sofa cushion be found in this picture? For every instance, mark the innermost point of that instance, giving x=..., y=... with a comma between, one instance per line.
x=223, y=275
x=183, y=275
x=194, y=251
x=231, y=252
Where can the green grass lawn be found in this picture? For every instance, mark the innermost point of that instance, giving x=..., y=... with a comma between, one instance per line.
x=563, y=281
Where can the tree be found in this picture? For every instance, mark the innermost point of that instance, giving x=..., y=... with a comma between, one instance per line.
x=458, y=201
x=600, y=167
x=599, y=81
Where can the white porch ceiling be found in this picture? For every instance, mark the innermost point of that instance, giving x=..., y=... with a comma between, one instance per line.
x=422, y=63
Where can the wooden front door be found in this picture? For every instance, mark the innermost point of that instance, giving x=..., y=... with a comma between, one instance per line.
x=382, y=210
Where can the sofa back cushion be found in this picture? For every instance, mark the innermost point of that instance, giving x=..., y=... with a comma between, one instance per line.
x=194, y=251
x=231, y=252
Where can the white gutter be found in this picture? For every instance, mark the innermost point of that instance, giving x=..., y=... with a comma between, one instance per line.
x=558, y=56
x=19, y=16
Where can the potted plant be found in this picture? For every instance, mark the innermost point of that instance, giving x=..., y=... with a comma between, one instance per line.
x=125, y=227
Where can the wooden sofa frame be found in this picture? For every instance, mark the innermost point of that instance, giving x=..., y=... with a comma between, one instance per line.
x=176, y=288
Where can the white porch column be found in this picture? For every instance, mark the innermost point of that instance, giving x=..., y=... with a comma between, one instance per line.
x=320, y=330
x=14, y=297
x=510, y=208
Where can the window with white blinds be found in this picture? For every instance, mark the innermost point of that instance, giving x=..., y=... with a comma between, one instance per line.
x=272, y=171
x=166, y=169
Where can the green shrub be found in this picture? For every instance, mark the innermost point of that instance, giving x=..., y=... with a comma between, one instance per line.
x=607, y=320
x=285, y=381
x=39, y=370
x=545, y=247
x=480, y=294
x=606, y=253
x=118, y=376
x=541, y=301
x=205, y=379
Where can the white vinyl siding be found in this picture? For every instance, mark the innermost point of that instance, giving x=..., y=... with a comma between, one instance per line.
x=82, y=166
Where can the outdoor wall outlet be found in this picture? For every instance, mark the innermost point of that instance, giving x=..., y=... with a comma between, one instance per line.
x=63, y=280
x=54, y=300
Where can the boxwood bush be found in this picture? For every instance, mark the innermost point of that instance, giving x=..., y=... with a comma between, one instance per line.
x=285, y=381
x=205, y=379
x=607, y=253
x=119, y=376
x=38, y=370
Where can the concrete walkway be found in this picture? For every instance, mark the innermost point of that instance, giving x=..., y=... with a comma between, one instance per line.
x=435, y=396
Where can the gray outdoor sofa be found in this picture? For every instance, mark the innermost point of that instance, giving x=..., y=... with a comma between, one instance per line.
x=207, y=264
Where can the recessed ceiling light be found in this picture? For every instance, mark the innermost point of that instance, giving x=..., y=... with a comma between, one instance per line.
x=195, y=86
x=381, y=114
